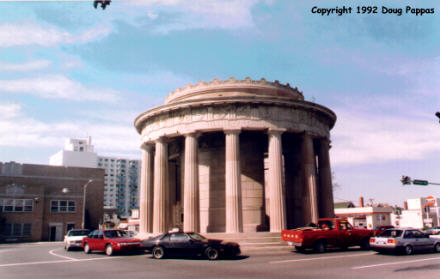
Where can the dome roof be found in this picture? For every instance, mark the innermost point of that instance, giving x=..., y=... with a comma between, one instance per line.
x=234, y=88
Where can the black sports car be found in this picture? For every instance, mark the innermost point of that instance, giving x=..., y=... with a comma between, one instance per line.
x=189, y=244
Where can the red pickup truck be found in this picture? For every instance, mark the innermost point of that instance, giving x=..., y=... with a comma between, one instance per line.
x=334, y=232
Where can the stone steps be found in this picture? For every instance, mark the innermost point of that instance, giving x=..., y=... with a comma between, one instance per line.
x=252, y=241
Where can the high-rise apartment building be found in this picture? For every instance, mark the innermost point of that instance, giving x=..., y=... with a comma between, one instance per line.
x=122, y=176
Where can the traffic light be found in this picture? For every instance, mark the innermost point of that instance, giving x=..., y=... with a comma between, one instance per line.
x=103, y=3
x=438, y=115
x=406, y=180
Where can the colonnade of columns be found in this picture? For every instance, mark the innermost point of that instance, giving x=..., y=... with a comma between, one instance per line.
x=154, y=183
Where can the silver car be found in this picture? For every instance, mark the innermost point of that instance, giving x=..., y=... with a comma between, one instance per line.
x=406, y=240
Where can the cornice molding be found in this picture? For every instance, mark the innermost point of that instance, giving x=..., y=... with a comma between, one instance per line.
x=203, y=86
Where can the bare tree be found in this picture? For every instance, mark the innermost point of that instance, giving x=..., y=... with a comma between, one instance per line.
x=335, y=185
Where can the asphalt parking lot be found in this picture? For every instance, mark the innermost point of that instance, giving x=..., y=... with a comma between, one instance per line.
x=49, y=260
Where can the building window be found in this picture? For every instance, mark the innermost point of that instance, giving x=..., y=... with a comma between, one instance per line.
x=16, y=205
x=9, y=205
x=17, y=230
x=62, y=206
x=27, y=229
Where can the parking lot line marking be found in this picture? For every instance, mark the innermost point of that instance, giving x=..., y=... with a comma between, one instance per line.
x=6, y=250
x=33, y=263
x=394, y=263
x=321, y=258
x=64, y=257
x=60, y=261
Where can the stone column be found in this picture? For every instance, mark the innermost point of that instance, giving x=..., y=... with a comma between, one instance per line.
x=234, y=219
x=310, y=179
x=325, y=180
x=277, y=213
x=191, y=186
x=160, y=222
x=146, y=191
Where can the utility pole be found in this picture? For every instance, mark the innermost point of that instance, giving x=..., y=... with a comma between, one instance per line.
x=84, y=203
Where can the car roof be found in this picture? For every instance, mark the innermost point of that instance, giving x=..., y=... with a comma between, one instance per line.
x=403, y=229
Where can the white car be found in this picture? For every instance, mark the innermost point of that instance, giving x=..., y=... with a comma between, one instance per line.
x=74, y=238
x=405, y=240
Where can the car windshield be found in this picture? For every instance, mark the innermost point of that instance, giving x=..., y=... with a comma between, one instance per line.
x=196, y=236
x=326, y=225
x=79, y=233
x=115, y=233
x=391, y=233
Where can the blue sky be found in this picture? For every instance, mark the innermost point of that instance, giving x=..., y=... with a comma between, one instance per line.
x=69, y=70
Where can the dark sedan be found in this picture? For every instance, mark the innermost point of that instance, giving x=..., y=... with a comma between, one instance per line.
x=189, y=244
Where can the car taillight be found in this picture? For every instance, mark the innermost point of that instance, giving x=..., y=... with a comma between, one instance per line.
x=372, y=239
x=391, y=240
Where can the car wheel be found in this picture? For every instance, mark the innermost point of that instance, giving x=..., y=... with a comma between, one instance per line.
x=408, y=250
x=108, y=250
x=437, y=248
x=86, y=248
x=320, y=247
x=158, y=252
x=211, y=253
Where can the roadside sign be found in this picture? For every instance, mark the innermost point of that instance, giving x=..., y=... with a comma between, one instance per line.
x=430, y=201
x=420, y=182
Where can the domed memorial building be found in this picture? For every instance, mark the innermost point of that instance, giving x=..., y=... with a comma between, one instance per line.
x=235, y=156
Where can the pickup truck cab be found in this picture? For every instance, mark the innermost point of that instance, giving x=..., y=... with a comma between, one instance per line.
x=335, y=232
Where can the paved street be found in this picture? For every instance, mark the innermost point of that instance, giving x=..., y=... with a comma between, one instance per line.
x=49, y=260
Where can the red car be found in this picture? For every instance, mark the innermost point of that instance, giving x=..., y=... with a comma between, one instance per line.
x=110, y=241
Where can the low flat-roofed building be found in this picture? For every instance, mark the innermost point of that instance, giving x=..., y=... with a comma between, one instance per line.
x=41, y=202
x=419, y=213
x=367, y=217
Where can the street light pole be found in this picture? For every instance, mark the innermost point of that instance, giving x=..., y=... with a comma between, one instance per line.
x=84, y=202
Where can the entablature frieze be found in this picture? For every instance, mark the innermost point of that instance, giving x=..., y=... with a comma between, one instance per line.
x=236, y=117
x=184, y=107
